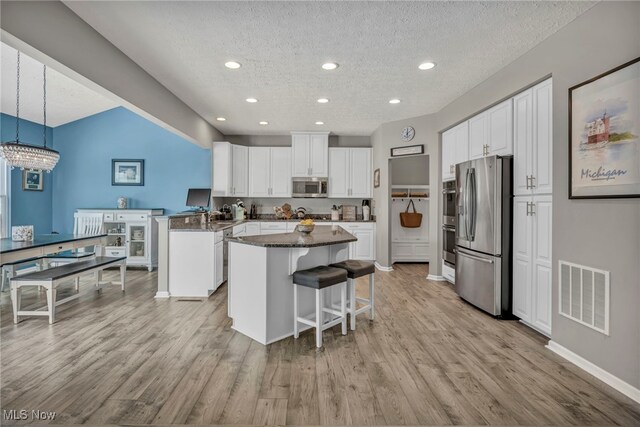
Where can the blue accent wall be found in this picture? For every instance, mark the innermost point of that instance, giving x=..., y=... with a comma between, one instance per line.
x=29, y=207
x=82, y=178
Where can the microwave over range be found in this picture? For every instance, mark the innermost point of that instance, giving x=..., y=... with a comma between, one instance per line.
x=309, y=187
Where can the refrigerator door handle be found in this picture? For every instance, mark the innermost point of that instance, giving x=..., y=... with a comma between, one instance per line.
x=465, y=206
x=472, y=204
x=476, y=258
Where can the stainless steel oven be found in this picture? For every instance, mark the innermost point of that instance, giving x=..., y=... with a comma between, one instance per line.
x=449, y=245
x=449, y=203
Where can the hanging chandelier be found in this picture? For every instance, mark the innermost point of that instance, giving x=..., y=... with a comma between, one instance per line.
x=27, y=156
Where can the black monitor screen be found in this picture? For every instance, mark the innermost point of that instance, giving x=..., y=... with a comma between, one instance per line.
x=199, y=197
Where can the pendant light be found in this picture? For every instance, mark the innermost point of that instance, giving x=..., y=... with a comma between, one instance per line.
x=26, y=156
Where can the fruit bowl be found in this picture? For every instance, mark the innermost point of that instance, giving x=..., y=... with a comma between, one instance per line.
x=305, y=226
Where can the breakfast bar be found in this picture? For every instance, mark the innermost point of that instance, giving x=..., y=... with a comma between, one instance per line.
x=260, y=285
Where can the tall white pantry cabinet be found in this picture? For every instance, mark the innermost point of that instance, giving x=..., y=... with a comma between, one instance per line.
x=532, y=206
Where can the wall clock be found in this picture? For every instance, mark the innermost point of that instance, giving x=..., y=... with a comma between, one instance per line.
x=408, y=133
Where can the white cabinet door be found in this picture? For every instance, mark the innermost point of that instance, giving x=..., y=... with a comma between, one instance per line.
x=300, y=152
x=239, y=170
x=448, y=155
x=478, y=135
x=500, y=140
x=273, y=227
x=221, y=169
x=542, y=278
x=522, y=142
x=461, y=142
x=363, y=249
x=339, y=172
x=542, y=151
x=280, y=172
x=319, y=155
x=219, y=263
x=522, y=258
x=259, y=171
x=252, y=229
x=360, y=172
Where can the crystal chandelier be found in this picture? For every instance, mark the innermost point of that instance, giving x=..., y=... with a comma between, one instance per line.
x=26, y=156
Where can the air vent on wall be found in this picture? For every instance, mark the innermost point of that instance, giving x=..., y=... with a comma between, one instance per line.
x=584, y=295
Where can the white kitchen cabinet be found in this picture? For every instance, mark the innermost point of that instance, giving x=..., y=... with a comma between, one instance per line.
x=309, y=154
x=230, y=164
x=365, y=232
x=252, y=228
x=239, y=230
x=532, y=272
x=273, y=227
x=491, y=132
x=455, y=149
x=350, y=172
x=533, y=142
x=132, y=233
x=219, y=263
x=269, y=172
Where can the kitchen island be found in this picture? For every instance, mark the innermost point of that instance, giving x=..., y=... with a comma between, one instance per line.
x=260, y=286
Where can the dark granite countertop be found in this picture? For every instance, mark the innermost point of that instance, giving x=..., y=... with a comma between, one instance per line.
x=197, y=226
x=322, y=235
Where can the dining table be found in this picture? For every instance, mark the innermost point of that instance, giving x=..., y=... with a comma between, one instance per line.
x=46, y=244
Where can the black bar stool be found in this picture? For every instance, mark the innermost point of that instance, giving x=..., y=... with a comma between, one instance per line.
x=355, y=269
x=319, y=278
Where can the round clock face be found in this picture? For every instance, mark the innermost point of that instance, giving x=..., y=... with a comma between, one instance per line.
x=408, y=133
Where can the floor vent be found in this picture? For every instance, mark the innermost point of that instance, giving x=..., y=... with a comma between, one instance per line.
x=584, y=295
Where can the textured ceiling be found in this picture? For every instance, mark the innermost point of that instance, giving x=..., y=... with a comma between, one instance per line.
x=281, y=46
x=67, y=100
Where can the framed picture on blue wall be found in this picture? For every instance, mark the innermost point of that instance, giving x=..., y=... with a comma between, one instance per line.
x=32, y=180
x=127, y=172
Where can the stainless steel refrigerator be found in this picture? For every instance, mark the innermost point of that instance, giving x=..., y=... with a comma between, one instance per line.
x=484, y=194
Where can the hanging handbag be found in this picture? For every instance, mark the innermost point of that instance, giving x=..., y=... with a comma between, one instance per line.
x=410, y=219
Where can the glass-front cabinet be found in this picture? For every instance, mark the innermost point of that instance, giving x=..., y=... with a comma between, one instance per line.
x=131, y=233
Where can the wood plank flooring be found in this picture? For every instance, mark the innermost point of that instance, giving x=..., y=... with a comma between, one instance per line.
x=429, y=358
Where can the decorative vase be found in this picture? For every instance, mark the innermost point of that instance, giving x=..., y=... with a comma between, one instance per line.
x=122, y=203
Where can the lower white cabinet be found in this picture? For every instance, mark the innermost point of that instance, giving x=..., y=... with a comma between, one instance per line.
x=365, y=247
x=252, y=228
x=219, y=263
x=408, y=252
x=273, y=227
x=130, y=232
x=532, y=272
x=191, y=270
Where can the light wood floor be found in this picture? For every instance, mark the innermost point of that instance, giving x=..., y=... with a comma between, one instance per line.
x=429, y=358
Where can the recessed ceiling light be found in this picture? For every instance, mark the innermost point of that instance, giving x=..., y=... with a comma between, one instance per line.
x=264, y=123
x=251, y=100
x=394, y=101
x=220, y=119
x=330, y=66
x=323, y=100
x=319, y=123
x=232, y=64
x=426, y=65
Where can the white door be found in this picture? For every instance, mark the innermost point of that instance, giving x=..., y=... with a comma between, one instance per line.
x=240, y=159
x=300, y=155
x=522, y=142
x=478, y=135
x=542, y=274
x=462, y=142
x=338, y=172
x=137, y=240
x=543, y=138
x=448, y=155
x=500, y=129
x=319, y=155
x=360, y=171
x=280, y=172
x=522, y=258
x=219, y=264
x=259, y=173
x=363, y=248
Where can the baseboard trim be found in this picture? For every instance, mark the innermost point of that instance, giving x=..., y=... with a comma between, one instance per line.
x=604, y=376
x=436, y=278
x=163, y=294
x=382, y=268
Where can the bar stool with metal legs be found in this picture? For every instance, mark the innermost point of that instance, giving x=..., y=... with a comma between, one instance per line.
x=355, y=269
x=320, y=278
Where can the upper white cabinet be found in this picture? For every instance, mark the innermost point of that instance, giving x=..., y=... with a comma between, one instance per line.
x=491, y=132
x=533, y=135
x=229, y=169
x=269, y=172
x=455, y=149
x=310, y=154
x=350, y=172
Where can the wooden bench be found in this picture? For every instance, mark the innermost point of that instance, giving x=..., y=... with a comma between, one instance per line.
x=51, y=278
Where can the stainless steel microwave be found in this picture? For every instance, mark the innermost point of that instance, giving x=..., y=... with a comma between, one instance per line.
x=309, y=187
